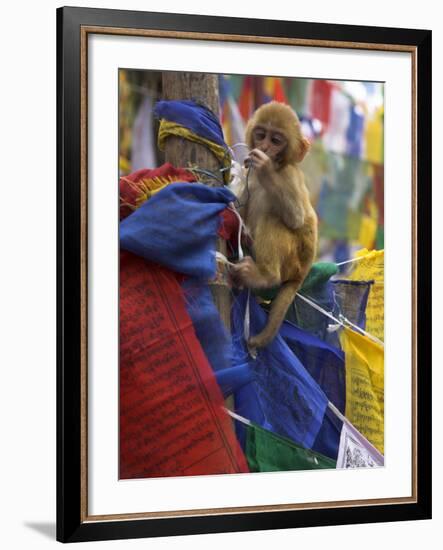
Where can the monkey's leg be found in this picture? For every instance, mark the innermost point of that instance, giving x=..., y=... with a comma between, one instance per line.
x=279, y=307
x=273, y=257
x=271, y=247
x=252, y=275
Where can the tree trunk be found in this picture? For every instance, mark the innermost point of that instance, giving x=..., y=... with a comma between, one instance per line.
x=203, y=89
x=180, y=152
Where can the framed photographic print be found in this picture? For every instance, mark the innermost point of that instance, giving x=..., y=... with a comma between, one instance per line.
x=235, y=349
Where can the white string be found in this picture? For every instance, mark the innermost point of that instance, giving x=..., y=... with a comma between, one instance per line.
x=341, y=321
x=355, y=259
x=358, y=329
x=320, y=309
x=247, y=320
x=343, y=418
x=222, y=258
x=239, y=144
x=333, y=408
x=241, y=419
x=240, y=229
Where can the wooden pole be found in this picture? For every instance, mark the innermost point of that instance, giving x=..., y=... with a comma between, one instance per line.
x=181, y=152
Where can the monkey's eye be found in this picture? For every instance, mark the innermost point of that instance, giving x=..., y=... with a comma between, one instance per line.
x=277, y=140
x=259, y=135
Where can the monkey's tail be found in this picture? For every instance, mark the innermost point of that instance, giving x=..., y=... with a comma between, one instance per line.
x=277, y=314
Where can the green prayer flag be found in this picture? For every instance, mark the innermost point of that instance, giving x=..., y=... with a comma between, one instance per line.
x=318, y=276
x=380, y=238
x=269, y=452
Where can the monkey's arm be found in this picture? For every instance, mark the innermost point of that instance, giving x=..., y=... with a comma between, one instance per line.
x=286, y=200
x=285, y=189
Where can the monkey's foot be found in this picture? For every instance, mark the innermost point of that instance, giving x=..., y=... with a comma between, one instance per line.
x=259, y=341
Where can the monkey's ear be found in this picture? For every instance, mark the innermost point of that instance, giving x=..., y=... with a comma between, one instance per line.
x=248, y=134
x=303, y=147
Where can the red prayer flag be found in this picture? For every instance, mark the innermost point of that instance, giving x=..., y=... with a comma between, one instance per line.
x=321, y=101
x=135, y=188
x=171, y=418
x=245, y=101
x=279, y=93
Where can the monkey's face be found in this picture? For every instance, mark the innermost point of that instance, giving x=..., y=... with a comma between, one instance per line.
x=269, y=140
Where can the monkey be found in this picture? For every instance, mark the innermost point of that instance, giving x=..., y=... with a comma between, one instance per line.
x=277, y=211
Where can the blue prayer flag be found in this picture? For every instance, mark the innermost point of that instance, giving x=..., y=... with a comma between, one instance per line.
x=324, y=362
x=354, y=134
x=177, y=228
x=327, y=441
x=282, y=397
x=350, y=299
x=197, y=118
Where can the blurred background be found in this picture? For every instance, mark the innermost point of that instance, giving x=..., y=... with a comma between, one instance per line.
x=342, y=119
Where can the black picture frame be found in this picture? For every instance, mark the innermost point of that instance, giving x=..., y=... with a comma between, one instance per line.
x=73, y=523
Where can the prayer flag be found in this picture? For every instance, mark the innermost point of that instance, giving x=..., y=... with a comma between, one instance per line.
x=350, y=299
x=208, y=326
x=172, y=421
x=356, y=451
x=327, y=441
x=177, y=228
x=138, y=187
x=283, y=397
x=335, y=196
x=269, y=452
x=246, y=98
x=320, y=101
x=143, y=142
x=364, y=363
x=354, y=134
x=368, y=231
x=194, y=122
x=335, y=135
x=379, y=195
x=297, y=93
x=273, y=90
x=315, y=287
x=191, y=115
x=374, y=137
x=324, y=362
x=371, y=268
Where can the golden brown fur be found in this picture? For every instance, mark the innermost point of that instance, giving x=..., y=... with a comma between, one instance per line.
x=277, y=212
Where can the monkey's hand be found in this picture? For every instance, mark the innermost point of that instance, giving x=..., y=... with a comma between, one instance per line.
x=246, y=273
x=260, y=161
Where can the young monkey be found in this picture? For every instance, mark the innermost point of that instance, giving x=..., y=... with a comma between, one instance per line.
x=277, y=211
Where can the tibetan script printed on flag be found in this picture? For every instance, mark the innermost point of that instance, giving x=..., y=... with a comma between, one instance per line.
x=372, y=268
x=364, y=363
x=171, y=417
x=355, y=451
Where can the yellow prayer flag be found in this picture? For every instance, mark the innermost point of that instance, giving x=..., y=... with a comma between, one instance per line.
x=124, y=165
x=268, y=85
x=374, y=138
x=368, y=231
x=372, y=268
x=364, y=364
x=168, y=128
